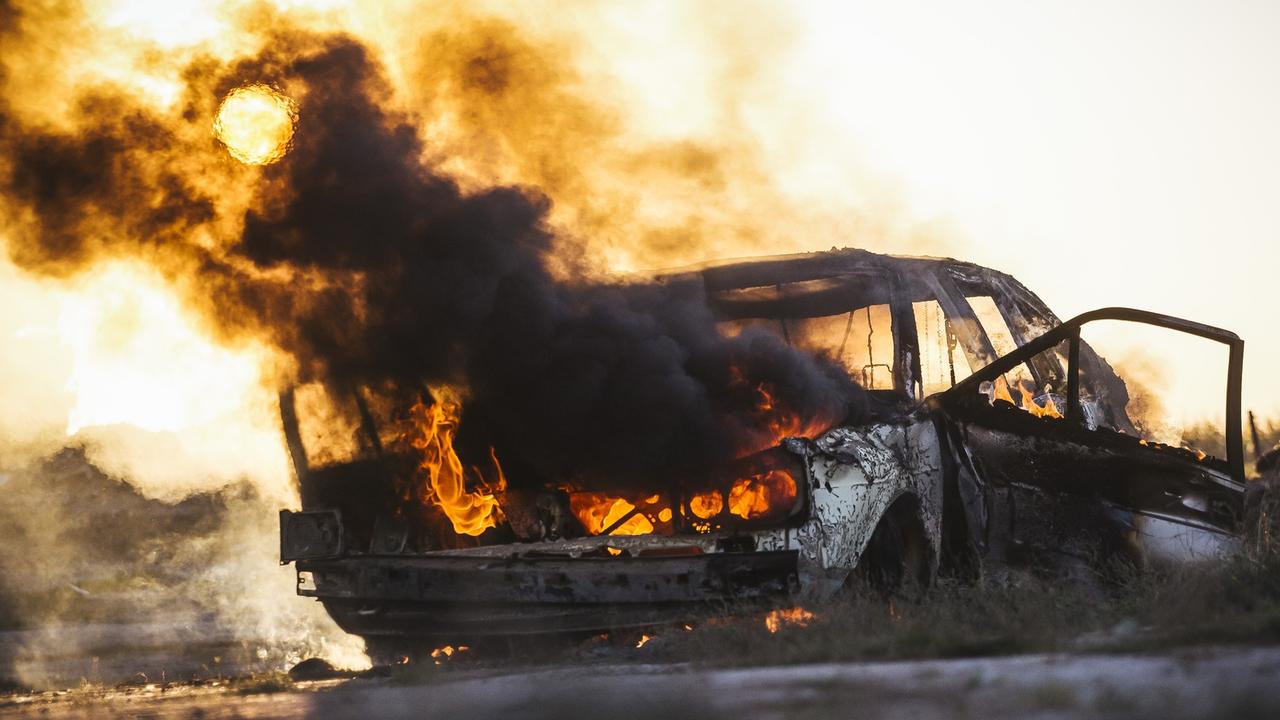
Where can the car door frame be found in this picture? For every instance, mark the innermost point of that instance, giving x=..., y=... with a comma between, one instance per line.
x=1069, y=332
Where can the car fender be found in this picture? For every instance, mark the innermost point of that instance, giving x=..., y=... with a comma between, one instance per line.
x=855, y=475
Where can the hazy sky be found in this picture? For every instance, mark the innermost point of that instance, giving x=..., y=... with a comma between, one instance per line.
x=1106, y=153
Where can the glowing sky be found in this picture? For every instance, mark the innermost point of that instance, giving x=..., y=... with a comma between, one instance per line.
x=1106, y=153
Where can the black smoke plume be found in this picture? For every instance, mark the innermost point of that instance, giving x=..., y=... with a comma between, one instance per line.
x=394, y=273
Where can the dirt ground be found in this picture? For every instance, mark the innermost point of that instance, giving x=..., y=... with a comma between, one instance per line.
x=1214, y=682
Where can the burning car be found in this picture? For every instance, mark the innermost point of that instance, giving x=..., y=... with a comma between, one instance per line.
x=993, y=435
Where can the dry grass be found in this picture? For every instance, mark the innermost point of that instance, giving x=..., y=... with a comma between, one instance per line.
x=1016, y=615
x=1232, y=600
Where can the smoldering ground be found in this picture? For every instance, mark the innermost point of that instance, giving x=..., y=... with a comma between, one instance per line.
x=364, y=264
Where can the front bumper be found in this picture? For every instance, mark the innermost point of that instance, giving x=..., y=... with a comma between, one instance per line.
x=467, y=596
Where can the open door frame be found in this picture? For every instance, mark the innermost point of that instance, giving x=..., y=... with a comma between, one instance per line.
x=1069, y=331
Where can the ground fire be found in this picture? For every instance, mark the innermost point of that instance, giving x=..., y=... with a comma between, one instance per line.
x=778, y=619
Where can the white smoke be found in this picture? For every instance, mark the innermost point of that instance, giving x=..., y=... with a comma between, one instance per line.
x=181, y=563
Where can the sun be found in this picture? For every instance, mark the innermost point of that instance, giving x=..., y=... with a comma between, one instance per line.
x=255, y=123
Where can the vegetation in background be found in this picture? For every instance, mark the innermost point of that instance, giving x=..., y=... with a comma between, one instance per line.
x=1208, y=436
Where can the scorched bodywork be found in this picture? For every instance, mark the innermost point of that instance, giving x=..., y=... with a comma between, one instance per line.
x=994, y=435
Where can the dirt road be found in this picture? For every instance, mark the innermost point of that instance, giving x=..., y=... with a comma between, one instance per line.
x=1199, y=683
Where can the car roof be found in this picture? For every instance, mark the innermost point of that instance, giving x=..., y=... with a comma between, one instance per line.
x=914, y=275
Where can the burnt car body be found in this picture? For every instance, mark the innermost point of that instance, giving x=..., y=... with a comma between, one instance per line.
x=949, y=473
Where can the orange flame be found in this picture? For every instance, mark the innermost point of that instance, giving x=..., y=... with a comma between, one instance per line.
x=796, y=616
x=597, y=511
x=750, y=497
x=772, y=419
x=1002, y=392
x=1049, y=409
x=706, y=505
x=755, y=495
x=782, y=422
x=441, y=654
x=434, y=428
x=1028, y=398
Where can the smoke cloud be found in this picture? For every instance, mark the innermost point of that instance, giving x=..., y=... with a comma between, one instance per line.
x=412, y=277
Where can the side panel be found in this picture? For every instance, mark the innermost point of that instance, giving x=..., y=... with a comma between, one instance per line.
x=1065, y=493
x=855, y=475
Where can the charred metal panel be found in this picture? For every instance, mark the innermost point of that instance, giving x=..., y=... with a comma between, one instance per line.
x=1060, y=457
x=555, y=581
x=827, y=540
x=1080, y=499
x=362, y=489
x=1177, y=540
x=1045, y=528
x=292, y=438
x=309, y=535
x=759, y=272
x=597, y=545
x=856, y=474
x=966, y=503
x=806, y=298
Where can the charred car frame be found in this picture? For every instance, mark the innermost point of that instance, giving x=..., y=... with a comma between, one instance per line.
x=952, y=471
